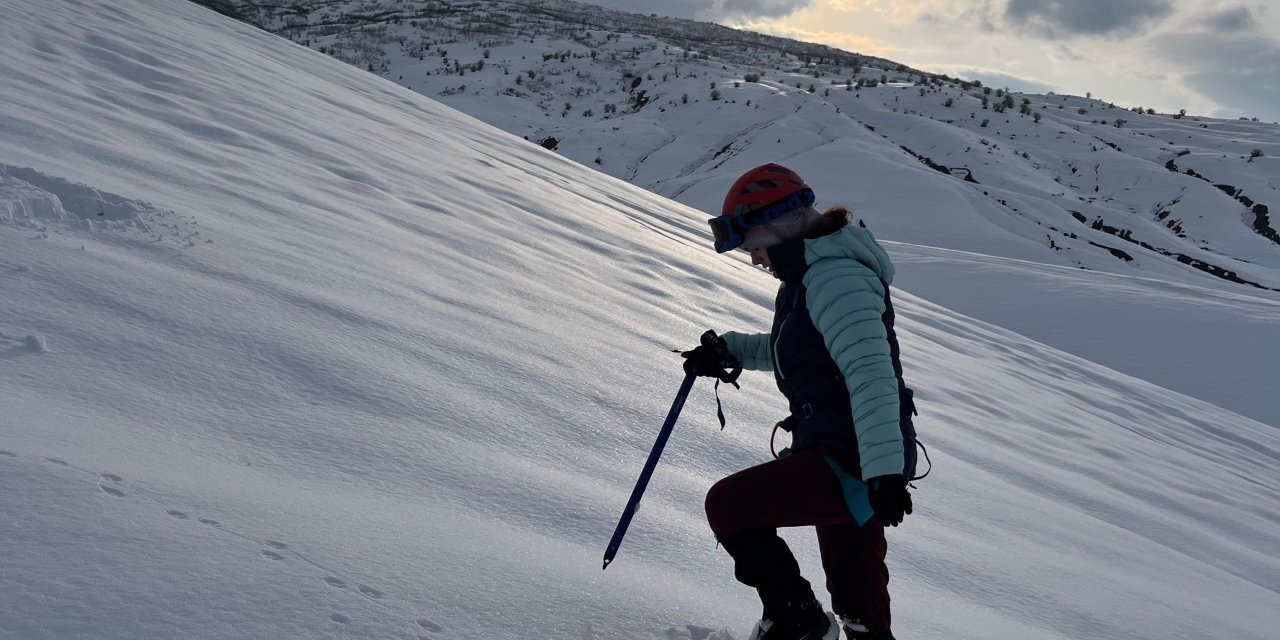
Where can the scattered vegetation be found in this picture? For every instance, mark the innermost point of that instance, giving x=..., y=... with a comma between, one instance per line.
x=599, y=67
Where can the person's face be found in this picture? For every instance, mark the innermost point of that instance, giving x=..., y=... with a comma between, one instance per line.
x=760, y=256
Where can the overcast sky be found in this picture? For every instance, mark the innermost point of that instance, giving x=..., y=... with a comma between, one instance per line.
x=1210, y=57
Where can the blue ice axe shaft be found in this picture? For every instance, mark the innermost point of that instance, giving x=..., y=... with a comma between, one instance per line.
x=649, y=465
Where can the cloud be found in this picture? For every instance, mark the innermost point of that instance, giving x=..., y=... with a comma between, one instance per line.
x=1235, y=70
x=1231, y=20
x=992, y=78
x=1064, y=18
x=942, y=14
x=849, y=5
x=1039, y=18
x=840, y=39
x=1066, y=54
x=720, y=10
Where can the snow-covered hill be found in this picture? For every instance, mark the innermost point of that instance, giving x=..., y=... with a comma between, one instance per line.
x=289, y=351
x=924, y=159
x=678, y=106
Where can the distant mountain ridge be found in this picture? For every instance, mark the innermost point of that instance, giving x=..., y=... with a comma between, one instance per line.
x=281, y=18
x=680, y=107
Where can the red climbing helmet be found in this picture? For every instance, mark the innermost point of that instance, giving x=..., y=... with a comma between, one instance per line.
x=760, y=195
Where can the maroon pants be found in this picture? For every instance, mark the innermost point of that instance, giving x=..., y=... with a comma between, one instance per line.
x=746, y=508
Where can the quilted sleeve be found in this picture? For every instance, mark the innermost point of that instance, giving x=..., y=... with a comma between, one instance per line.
x=751, y=349
x=846, y=303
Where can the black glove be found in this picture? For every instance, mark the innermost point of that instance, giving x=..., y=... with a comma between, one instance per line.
x=702, y=360
x=889, y=498
x=712, y=359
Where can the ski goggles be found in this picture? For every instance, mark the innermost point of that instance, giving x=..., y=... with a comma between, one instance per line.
x=729, y=231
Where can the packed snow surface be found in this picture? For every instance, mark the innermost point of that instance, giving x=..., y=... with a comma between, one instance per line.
x=289, y=351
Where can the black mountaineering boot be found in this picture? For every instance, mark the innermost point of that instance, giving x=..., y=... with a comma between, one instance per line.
x=854, y=630
x=791, y=612
x=798, y=618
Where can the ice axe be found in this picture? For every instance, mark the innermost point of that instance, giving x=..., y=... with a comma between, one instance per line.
x=709, y=339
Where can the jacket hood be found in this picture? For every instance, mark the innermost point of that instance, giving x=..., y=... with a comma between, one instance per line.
x=852, y=242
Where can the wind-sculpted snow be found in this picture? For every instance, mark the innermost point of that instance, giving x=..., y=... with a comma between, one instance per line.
x=406, y=388
x=924, y=159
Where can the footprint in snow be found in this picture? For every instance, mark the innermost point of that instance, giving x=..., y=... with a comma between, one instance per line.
x=8, y=454
x=113, y=477
x=335, y=582
x=177, y=514
x=430, y=626
x=272, y=555
x=276, y=545
x=369, y=591
x=111, y=491
x=212, y=523
x=339, y=618
x=62, y=463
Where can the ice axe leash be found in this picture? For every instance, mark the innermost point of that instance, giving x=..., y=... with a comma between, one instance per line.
x=727, y=368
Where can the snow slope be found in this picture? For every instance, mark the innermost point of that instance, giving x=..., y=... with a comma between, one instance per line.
x=924, y=159
x=290, y=351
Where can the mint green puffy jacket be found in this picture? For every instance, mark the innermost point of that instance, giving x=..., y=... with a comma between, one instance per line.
x=845, y=279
